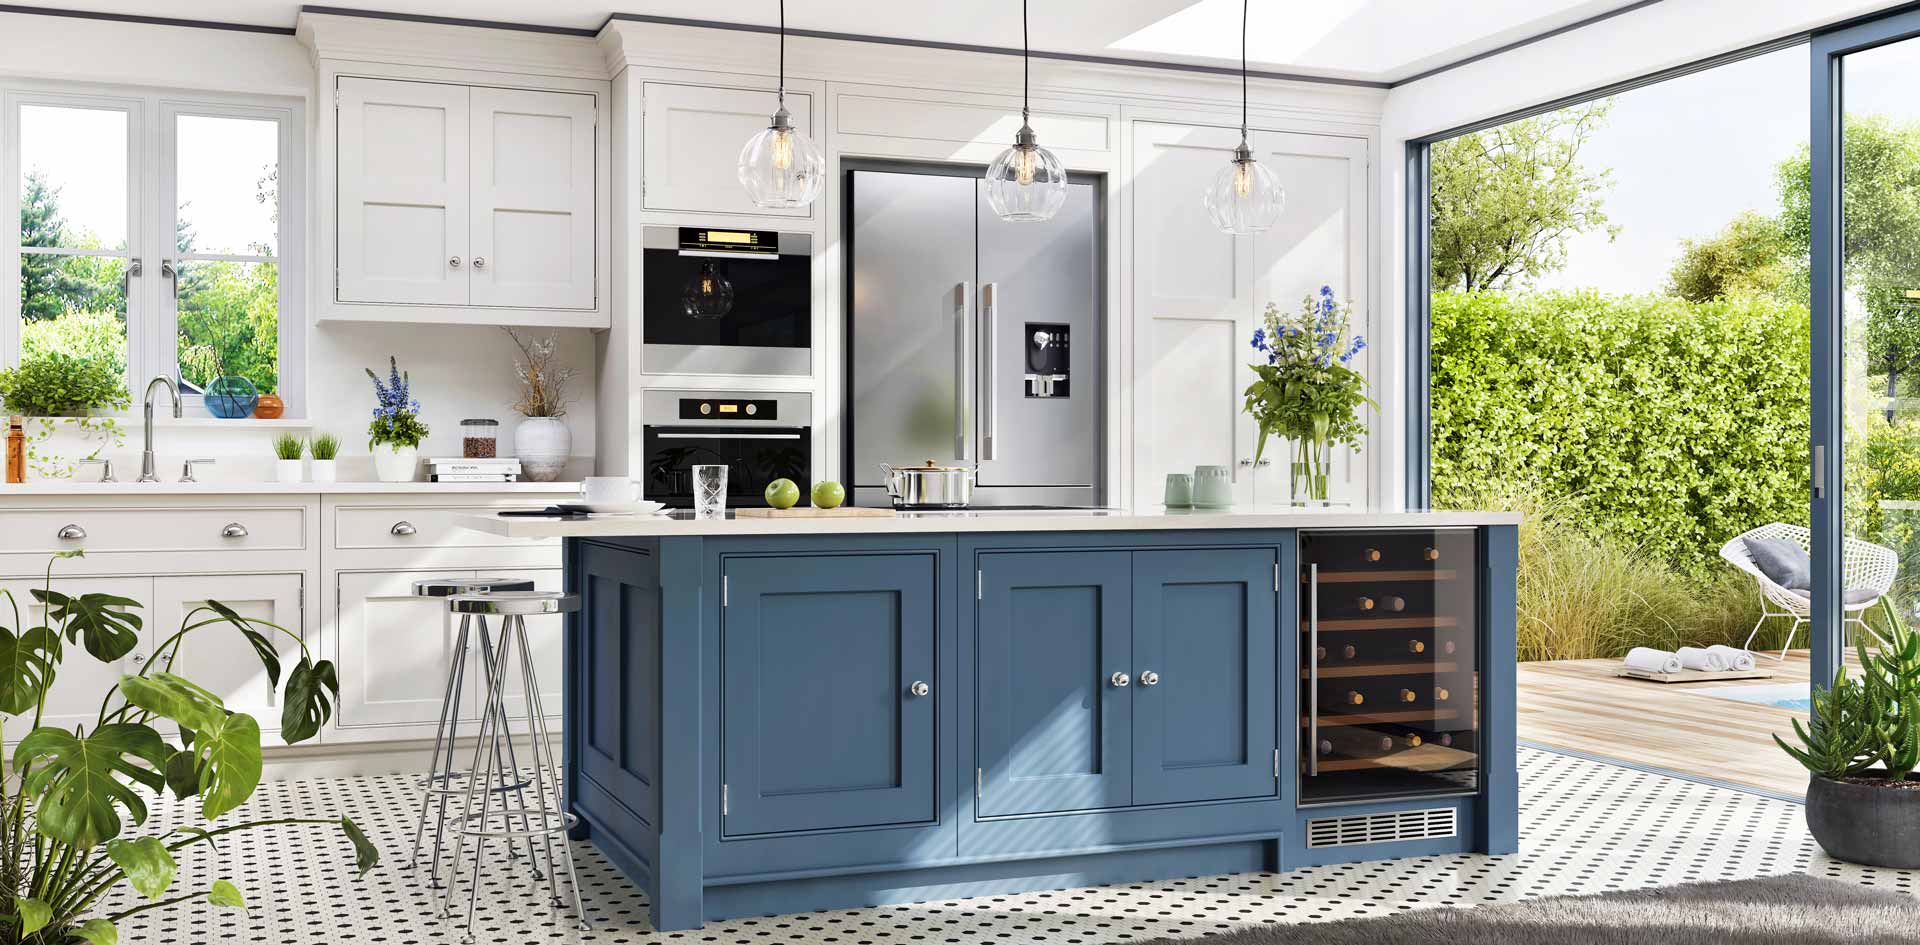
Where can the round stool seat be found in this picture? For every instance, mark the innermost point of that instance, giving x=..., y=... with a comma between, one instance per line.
x=451, y=587
x=514, y=603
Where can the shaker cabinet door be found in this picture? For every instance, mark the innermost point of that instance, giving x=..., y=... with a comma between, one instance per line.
x=79, y=681
x=403, y=195
x=394, y=652
x=691, y=146
x=216, y=656
x=533, y=199
x=822, y=725
x=1205, y=675
x=1052, y=724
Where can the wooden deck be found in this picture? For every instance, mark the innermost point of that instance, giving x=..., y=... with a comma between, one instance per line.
x=1582, y=706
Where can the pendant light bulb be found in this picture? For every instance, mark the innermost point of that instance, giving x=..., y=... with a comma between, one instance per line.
x=1244, y=198
x=1026, y=183
x=781, y=168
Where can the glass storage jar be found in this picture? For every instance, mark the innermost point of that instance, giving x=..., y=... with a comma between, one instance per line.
x=479, y=438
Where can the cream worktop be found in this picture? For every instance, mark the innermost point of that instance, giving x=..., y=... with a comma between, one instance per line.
x=136, y=490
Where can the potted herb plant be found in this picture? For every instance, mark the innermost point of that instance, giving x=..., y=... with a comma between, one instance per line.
x=1861, y=749
x=70, y=809
x=1308, y=391
x=287, y=466
x=60, y=385
x=325, y=449
x=396, y=431
x=542, y=441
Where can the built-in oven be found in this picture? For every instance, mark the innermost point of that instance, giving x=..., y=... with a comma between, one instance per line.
x=726, y=301
x=758, y=436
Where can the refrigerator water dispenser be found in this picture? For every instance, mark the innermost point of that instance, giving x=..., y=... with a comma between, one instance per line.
x=1049, y=359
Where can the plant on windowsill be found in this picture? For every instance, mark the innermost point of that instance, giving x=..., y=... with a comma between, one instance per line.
x=1863, y=801
x=324, y=448
x=287, y=450
x=542, y=441
x=396, y=431
x=57, y=390
x=1308, y=392
x=70, y=794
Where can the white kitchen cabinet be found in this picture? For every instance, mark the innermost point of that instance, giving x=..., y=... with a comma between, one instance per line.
x=217, y=657
x=692, y=140
x=466, y=204
x=80, y=681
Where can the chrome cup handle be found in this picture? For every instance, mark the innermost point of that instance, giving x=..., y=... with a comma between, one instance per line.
x=886, y=475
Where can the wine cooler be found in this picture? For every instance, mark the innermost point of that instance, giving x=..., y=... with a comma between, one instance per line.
x=1389, y=664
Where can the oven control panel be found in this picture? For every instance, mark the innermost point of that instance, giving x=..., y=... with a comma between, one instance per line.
x=716, y=408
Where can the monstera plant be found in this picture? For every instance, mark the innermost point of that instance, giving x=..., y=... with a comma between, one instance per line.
x=71, y=806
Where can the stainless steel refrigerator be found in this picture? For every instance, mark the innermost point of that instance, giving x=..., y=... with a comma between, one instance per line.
x=973, y=341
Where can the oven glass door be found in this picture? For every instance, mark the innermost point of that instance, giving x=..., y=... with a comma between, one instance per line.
x=753, y=457
x=771, y=307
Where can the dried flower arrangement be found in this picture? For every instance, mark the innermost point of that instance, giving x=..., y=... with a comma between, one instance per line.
x=543, y=385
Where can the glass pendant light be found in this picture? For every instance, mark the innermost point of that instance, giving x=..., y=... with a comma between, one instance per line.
x=708, y=294
x=1026, y=183
x=1245, y=198
x=781, y=167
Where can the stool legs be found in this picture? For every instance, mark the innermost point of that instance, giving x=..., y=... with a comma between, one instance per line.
x=548, y=772
x=440, y=771
x=496, y=659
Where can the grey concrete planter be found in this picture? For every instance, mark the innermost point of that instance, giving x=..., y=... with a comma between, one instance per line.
x=1865, y=823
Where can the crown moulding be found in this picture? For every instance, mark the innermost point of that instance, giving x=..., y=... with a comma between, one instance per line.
x=450, y=46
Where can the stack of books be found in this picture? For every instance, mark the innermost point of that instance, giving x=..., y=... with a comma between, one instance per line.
x=457, y=469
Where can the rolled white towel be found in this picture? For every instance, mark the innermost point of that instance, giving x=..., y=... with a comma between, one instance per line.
x=1649, y=660
x=1737, y=659
x=1707, y=659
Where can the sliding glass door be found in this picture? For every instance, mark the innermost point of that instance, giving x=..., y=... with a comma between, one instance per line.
x=1863, y=214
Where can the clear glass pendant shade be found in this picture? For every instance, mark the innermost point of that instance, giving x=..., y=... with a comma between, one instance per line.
x=1026, y=183
x=1245, y=198
x=708, y=293
x=781, y=167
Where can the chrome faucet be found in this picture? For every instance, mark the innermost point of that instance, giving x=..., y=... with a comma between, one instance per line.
x=147, y=473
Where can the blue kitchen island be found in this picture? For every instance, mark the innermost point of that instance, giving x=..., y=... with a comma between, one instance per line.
x=768, y=716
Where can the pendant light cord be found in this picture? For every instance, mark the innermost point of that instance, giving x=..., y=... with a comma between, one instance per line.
x=782, y=93
x=1244, y=4
x=1026, y=84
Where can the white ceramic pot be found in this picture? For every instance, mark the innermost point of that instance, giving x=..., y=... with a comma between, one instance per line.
x=288, y=470
x=393, y=463
x=323, y=470
x=542, y=445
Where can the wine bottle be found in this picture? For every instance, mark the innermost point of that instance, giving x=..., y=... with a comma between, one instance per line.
x=1349, y=651
x=1408, y=695
x=1447, y=648
x=1358, y=743
x=1432, y=554
x=1365, y=603
x=1355, y=698
x=1371, y=554
x=1413, y=739
x=1396, y=603
x=1319, y=654
x=1416, y=646
x=1440, y=694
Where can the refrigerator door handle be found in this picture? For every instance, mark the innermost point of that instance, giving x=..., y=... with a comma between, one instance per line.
x=989, y=416
x=963, y=299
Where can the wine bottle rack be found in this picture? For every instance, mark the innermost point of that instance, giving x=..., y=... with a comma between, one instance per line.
x=1389, y=663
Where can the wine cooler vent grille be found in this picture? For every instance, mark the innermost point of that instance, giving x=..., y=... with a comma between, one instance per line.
x=1382, y=828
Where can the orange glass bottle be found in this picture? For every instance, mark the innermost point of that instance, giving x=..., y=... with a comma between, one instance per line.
x=16, y=450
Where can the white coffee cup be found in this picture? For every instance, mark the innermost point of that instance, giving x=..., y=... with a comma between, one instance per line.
x=609, y=490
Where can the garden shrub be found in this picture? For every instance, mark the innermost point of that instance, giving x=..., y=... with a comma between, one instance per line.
x=1667, y=426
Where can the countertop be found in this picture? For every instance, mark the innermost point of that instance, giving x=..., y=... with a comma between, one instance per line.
x=980, y=520
x=134, y=490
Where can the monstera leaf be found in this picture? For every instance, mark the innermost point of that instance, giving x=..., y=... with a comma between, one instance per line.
x=76, y=779
x=108, y=634
x=27, y=663
x=262, y=647
x=312, y=688
x=175, y=698
x=225, y=757
x=365, y=855
x=148, y=865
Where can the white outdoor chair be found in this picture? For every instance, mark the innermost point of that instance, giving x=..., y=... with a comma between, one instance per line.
x=1864, y=566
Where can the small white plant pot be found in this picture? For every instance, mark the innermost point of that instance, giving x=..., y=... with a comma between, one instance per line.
x=395, y=463
x=288, y=470
x=323, y=470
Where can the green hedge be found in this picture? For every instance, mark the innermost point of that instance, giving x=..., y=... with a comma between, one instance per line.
x=1672, y=425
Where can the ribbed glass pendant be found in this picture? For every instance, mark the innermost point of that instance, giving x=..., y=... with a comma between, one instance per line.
x=1245, y=197
x=1026, y=183
x=781, y=167
x=708, y=293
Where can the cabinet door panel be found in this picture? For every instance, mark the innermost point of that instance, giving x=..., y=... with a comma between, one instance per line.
x=393, y=651
x=80, y=681
x=619, y=740
x=693, y=137
x=403, y=194
x=820, y=727
x=1052, y=731
x=217, y=657
x=1204, y=625
x=532, y=199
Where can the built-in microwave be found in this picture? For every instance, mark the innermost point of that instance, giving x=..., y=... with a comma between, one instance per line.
x=759, y=436
x=720, y=301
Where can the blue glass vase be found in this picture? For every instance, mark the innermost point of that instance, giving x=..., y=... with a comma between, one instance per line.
x=231, y=398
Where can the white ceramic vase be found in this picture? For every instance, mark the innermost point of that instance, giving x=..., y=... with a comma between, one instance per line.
x=323, y=470
x=288, y=470
x=542, y=444
x=393, y=463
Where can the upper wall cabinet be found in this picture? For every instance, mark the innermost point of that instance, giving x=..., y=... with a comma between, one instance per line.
x=467, y=204
x=692, y=143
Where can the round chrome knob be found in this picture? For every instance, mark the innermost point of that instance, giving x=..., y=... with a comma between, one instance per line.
x=1149, y=678
x=1119, y=680
x=479, y=262
x=234, y=530
x=403, y=529
x=919, y=688
x=72, y=533
x=1264, y=463
x=1246, y=462
x=453, y=263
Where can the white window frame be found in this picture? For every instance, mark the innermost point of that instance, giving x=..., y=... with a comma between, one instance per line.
x=152, y=207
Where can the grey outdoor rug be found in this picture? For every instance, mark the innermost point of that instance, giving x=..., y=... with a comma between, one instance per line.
x=1774, y=910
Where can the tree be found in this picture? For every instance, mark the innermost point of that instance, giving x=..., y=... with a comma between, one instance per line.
x=1880, y=234
x=1506, y=200
x=1747, y=257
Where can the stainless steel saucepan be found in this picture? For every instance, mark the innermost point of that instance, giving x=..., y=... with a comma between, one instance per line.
x=931, y=486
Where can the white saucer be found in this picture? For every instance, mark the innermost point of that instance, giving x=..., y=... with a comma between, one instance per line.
x=622, y=508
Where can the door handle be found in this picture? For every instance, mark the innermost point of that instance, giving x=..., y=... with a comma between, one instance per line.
x=989, y=417
x=919, y=688
x=234, y=530
x=1149, y=678
x=964, y=297
x=1313, y=670
x=1119, y=680
x=71, y=533
x=402, y=529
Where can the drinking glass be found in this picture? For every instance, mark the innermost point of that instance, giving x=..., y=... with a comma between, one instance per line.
x=710, y=491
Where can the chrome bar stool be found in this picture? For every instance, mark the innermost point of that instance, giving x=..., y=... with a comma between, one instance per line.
x=442, y=777
x=547, y=819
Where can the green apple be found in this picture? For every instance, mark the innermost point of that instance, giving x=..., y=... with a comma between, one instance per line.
x=782, y=493
x=828, y=494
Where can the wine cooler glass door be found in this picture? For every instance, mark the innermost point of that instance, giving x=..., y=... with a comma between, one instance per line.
x=1389, y=664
